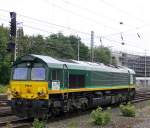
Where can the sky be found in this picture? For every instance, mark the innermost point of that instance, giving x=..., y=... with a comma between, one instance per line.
x=80, y=17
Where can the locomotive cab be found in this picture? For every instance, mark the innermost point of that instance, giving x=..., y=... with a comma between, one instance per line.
x=29, y=87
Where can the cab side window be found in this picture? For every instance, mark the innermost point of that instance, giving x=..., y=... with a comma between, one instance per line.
x=131, y=79
x=56, y=74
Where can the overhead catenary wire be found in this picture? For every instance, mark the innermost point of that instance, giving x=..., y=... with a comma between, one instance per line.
x=70, y=28
x=80, y=31
x=69, y=2
x=95, y=13
x=42, y=21
x=121, y=10
x=112, y=40
x=85, y=17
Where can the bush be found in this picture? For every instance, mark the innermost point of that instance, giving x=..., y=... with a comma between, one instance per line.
x=38, y=124
x=100, y=117
x=128, y=110
x=5, y=73
x=3, y=88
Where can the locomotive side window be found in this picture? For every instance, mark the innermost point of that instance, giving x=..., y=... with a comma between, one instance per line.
x=54, y=75
x=38, y=74
x=20, y=74
x=131, y=79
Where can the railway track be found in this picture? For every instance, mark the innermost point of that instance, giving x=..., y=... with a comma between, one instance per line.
x=4, y=108
x=141, y=95
x=3, y=100
x=8, y=119
x=14, y=122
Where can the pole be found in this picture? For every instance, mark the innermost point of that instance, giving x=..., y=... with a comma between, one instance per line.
x=92, y=43
x=101, y=42
x=15, y=51
x=78, y=50
x=145, y=69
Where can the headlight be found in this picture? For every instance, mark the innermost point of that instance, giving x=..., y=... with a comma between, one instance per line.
x=41, y=92
x=15, y=92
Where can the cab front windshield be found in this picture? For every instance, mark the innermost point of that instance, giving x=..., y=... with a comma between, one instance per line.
x=25, y=73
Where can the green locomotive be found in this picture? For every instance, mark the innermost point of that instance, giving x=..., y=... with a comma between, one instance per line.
x=42, y=85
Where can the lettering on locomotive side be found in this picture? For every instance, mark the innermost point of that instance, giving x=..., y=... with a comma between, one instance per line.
x=28, y=85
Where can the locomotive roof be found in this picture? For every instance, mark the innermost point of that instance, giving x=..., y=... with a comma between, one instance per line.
x=74, y=64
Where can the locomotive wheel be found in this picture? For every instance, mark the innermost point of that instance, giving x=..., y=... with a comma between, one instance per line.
x=83, y=107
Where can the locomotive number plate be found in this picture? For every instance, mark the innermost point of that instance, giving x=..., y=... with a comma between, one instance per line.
x=28, y=85
x=55, y=85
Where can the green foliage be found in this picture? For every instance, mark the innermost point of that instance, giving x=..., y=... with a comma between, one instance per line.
x=100, y=117
x=3, y=43
x=4, y=56
x=61, y=46
x=72, y=125
x=38, y=124
x=102, y=54
x=128, y=110
x=3, y=89
x=5, y=73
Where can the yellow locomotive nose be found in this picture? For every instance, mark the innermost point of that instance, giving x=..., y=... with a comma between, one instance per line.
x=29, y=90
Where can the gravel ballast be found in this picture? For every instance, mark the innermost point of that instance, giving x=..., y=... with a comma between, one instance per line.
x=142, y=119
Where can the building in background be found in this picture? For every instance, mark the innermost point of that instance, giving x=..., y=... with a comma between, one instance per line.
x=140, y=64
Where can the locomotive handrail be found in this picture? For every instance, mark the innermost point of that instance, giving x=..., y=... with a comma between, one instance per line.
x=65, y=65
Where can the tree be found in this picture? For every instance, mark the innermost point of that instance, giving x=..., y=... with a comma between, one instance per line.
x=3, y=43
x=36, y=45
x=59, y=46
x=83, y=50
x=22, y=42
x=66, y=46
x=102, y=54
x=4, y=56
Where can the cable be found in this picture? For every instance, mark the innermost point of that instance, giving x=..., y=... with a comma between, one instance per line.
x=129, y=30
x=82, y=16
x=118, y=42
x=4, y=19
x=93, y=12
x=120, y=10
x=65, y=27
x=42, y=21
x=84, y=33
x=28, y=26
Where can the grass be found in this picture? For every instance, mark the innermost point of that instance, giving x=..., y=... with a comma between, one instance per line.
x=3, y=88
x=72, y=124
x=100, y=117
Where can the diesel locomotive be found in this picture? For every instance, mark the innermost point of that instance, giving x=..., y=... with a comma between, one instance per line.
x=42, y=85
